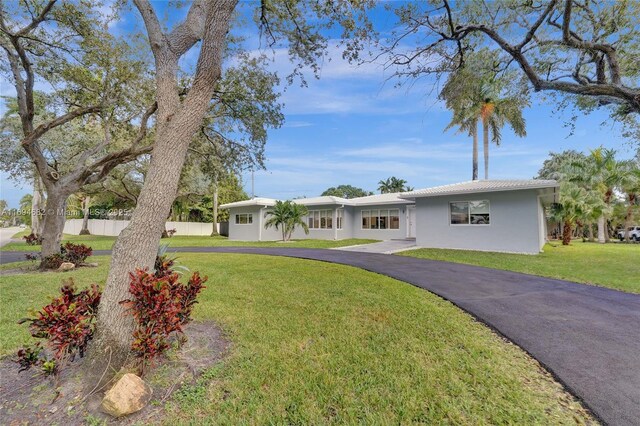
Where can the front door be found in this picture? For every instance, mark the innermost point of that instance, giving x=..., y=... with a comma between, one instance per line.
x=411, y=221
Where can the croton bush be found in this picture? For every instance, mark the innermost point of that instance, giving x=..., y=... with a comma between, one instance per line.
x=69, y=252
x=32, y=239
x=66, y=325
x=161, y=305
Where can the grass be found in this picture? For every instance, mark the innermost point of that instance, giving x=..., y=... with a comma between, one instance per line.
x=318, y=343
x=99, y=242
x=613, y=265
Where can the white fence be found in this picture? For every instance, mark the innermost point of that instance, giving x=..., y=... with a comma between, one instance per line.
x=114, y=227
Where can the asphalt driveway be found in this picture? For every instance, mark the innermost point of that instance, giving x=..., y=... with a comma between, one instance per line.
x=587, y=336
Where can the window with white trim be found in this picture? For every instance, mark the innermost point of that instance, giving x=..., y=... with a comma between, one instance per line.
x=244, y=218
x=381, y=219
x=470, y=212
x=339, y=218
x=320, y=219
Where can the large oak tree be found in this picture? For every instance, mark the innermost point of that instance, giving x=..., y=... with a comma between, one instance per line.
x=179, y=117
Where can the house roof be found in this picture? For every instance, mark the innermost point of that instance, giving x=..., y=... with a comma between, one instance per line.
x=476, y=186
x=323, y=200
x=252, y=202
x=392, y=198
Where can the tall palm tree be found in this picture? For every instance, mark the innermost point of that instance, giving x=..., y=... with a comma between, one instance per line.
x=474, y=99
x=495, y=113
x=287, y=216
x=392, y=184
x=460, y=94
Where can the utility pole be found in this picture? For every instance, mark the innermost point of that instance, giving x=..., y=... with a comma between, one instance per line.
x=253, y=194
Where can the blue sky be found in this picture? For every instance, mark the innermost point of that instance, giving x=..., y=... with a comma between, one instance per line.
x=350, y=127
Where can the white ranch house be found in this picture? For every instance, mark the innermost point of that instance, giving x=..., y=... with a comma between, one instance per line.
x=488, y=215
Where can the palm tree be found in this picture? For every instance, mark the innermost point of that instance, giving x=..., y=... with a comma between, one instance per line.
x=286, y=216
x=570, y=209
x=630, y=186
x=495, y=114
x=475, y=99
x=601, y=172
x=460, y=96
x=392, y=184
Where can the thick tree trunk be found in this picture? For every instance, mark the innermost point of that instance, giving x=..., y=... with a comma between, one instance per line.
x=475, y=153
x=215, y=211
x=177, y=122
x=85, y=216
x=54, y=218
x=36, y=206
x=607, y=234
x=566, y=233
x=590, y=229
x=601, y=230
x=485, y=146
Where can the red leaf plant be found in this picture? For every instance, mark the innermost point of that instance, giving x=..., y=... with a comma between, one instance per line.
x=67, y=323
x=160, y=305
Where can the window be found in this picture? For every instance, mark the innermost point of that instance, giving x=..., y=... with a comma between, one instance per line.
x=320, y=219
x=366, y=218
x=339, y=217
x=244, y=219
x=381, y=219
x=470, y=212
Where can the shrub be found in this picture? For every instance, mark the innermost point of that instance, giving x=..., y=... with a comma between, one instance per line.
x=69, y=252
x=160, y=305
x=32, y=239
x=52, y=261
x=29, y=356
x=75, y=253
x=67, y=324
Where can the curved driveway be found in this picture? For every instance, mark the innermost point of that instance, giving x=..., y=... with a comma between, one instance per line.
x=587, y=336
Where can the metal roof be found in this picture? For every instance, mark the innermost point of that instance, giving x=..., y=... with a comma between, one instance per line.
x=475, y=186
x=252, y=202
x=392, y=198
x=323, y=200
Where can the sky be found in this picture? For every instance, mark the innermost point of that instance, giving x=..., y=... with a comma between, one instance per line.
x=353, y=126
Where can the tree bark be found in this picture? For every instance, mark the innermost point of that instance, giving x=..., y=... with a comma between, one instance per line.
x=485, y=146
x=601, y=229
x=475, y=153
x=566, y=233
x=53, y=223
x=85, y=216
x=177, y=122
x=36, y=206
x=590, y=229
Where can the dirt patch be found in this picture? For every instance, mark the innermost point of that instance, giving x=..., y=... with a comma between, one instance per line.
x=29, y=398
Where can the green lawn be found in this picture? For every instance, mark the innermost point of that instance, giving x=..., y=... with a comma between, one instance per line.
x=98, y=242
x=318, y=343
x=613, y=265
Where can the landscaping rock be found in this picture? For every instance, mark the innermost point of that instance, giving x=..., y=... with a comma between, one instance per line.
x=128, y=395
x=66, y=266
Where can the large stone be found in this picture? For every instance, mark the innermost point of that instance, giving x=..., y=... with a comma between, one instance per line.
x=66, y=266
x=128, y=395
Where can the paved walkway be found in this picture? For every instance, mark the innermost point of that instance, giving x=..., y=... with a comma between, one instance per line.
x=587, y=336
x=7, y=233
x=383, y=247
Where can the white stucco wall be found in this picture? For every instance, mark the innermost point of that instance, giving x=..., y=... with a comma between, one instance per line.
x=514, y=223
